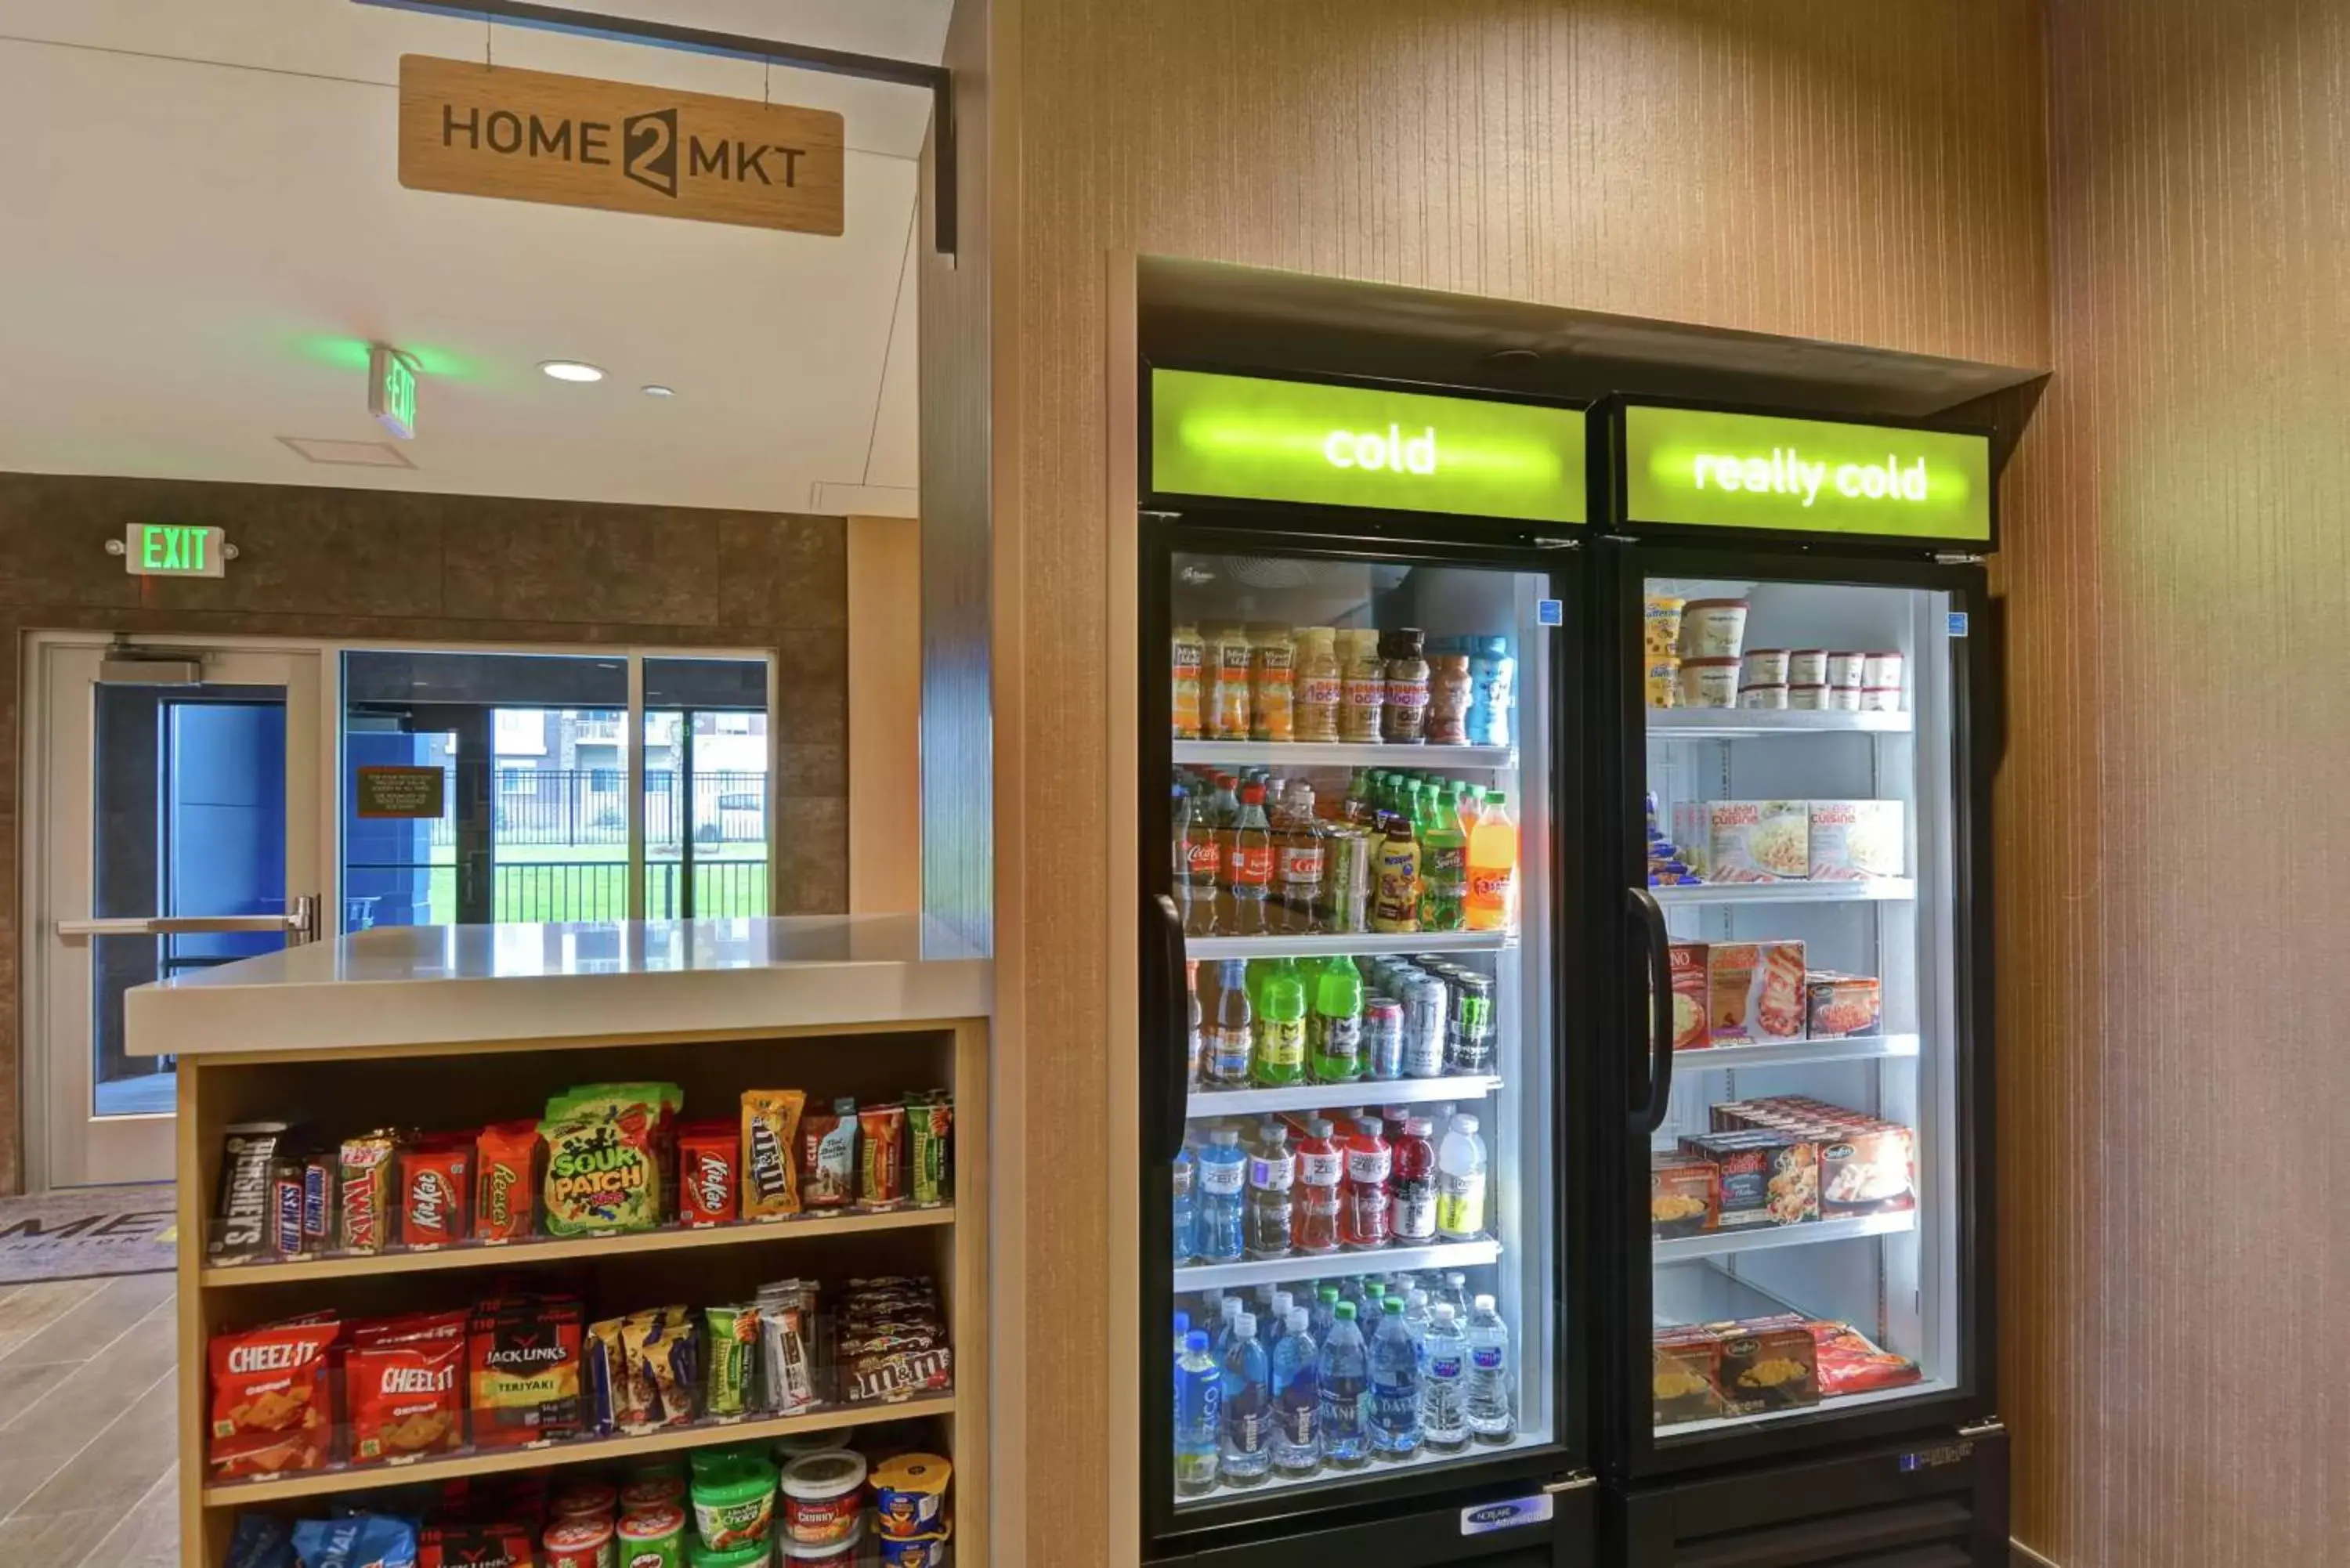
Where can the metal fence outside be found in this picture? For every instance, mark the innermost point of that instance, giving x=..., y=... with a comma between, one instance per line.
x=591, y=806
x=589, y=889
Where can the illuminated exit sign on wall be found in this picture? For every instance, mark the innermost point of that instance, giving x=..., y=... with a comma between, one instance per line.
x=1709, y=468
x=1247, y=437
x=174, y=550
x=391, y=390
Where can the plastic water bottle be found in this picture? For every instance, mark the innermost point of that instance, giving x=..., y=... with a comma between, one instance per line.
x=1395, y=1387
x=1223, y=1171
x=1228, y=1312
x=1455, y=1294
x=1416, y=1319
x=1271, y=1171
x=1443, y=1383
x=1344, y=1376
x=1275, y=1319
x=1187, y=1171
x=1489, y=1417
x=1248, y=1427
x=1492, y=678
x=1461, y=1182
x=1296, y=1399
x=1326, y=1312
x=1199, y=1417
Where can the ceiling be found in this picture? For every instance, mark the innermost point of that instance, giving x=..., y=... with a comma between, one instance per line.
x=204, y=228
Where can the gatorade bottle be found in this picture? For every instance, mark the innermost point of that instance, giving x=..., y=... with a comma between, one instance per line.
x=1281, y=1027
x=1273, y=1170
x=1363, y=1201
x=1251, y=868
x=1343, y=1373
x=1492, y=899
x=1321, y=1166
x=1232, y=1044
x=1443, y=864
x=1461, y=1182
x=1412, y=1196
x=1334, y=1033
x=1199, y=1417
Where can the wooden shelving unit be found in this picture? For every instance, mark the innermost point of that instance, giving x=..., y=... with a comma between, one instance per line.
x=446, y=1080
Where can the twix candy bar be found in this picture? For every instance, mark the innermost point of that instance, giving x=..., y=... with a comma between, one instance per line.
x=366, y=1180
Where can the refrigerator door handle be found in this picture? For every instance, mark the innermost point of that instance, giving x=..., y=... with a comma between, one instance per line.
x=1642, y=905
x=1175, y=1017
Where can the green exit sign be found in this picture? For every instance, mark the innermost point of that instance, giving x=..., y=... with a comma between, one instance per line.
x=391, y=390
x=174, y=550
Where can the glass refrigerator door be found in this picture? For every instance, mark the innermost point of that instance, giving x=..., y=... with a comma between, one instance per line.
x=1364, y=1210
x=1804, y=1183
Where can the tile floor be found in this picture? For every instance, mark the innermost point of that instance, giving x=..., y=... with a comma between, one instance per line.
x=88, y=1468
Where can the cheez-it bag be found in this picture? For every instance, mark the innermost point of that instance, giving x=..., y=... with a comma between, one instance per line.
x=402, y=1391
x=271, y=1401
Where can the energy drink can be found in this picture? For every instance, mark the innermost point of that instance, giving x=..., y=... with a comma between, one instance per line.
x=1425, y=1023
x=1346, y=880
x=1383, y=1038
x=1469, y=1036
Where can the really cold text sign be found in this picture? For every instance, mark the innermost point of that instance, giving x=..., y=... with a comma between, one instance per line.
x=528, y=135
x=1248, y=438
x=1711, y=469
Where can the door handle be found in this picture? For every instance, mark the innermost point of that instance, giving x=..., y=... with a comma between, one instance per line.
x=1175, y=1018
x=296, y=924
x=1643, y=908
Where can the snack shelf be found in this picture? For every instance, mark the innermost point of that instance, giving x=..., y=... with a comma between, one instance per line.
x=1338, y=1265
x=1348, y=944
x=1342, y=754
x=1315, y=1097
x=1749, y=723
x=1795, y=1053
x=575, y=1451
x=1831, y=1406
x=1768, y=1238
x=1895, y=890
x=545, y=1250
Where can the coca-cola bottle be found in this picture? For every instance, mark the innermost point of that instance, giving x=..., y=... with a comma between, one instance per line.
x=1196, y=858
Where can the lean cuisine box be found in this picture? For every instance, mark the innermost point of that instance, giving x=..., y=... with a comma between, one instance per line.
x=1853, y=840
x=1745, y=840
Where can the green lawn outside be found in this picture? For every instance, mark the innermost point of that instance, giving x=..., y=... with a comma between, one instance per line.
x=589, y=882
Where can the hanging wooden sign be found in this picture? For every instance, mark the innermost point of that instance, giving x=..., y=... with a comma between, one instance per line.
x=528, y=135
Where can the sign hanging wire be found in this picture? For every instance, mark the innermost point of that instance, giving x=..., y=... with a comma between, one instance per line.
x=488, y=63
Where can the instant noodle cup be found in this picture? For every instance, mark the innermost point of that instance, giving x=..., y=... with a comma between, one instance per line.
x=909, y=1495
x=1713, y=629
x=824, y=1494
x=579, y=1543
x=734, y=1494
x=652, y=1537
x=583, y=1499
x=803, y=1443
x=646, y=1492
x=1709, y=682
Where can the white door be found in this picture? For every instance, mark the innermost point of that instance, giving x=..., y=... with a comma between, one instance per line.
x=175, y=822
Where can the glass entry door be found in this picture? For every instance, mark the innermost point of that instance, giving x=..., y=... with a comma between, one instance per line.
x=174, y=825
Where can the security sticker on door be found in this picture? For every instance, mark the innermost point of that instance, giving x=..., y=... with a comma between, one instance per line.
x=1958, y=623
x=1550, y=612
x=1486, y=1518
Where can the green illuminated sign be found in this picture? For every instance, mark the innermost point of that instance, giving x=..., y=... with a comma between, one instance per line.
x=173, y=550
x=391, y=390
x=1256, y=440
x=1755, y=471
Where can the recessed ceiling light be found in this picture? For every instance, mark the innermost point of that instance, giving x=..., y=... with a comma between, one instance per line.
x=570, y=370
x=655, y=390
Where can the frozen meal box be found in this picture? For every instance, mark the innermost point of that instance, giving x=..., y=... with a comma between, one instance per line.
x=1867, y=1171
x=1754, y=993
x=1842, y=1006
x=1692, y=1031
x=1745, y=840
x=1761, y=1178
x=1852, y=840
x=1767, y=1366
x=1681, y=1194
x=1682, y=1375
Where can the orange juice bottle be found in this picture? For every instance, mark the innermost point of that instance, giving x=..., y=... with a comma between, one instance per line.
x=1492, y=903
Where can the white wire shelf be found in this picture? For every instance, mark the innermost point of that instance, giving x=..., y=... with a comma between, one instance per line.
x=1872, y=889
x=1795, y=1053
x=1347, y=754
x=1315, y=1097
x=1336, y=1265
x=1769, y=1237
x=1349, y=943
x=1752, y=724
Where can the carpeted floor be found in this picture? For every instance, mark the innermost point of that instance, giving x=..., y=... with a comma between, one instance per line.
x=87, y=1233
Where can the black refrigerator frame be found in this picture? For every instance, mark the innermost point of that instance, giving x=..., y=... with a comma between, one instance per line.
x=1625, y=554
x=1268, y=1525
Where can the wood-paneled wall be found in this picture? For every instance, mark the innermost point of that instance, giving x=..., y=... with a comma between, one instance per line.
x=1831, y=167
x=2176, y=888
x=332, y=564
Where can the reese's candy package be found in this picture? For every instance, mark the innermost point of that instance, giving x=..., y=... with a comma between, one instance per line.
x=828, y=1155
x=241, y=1212
x=708, y=1158
x=605, y=1147
x=435, y=1187
x=506, y=1181
x=271, y=1408
x=771, y=1121
x=364, y=1181
x=881, y=1162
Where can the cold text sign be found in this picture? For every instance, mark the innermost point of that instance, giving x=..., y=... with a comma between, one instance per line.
x=528, y=135
x=1250, y=438
x=1711, y=469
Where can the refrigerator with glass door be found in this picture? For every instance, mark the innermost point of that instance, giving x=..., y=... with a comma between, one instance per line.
x=1797, y=692
x=1360, y=871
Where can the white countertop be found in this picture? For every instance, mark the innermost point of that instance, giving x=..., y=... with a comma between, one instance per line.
x=419, y=985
